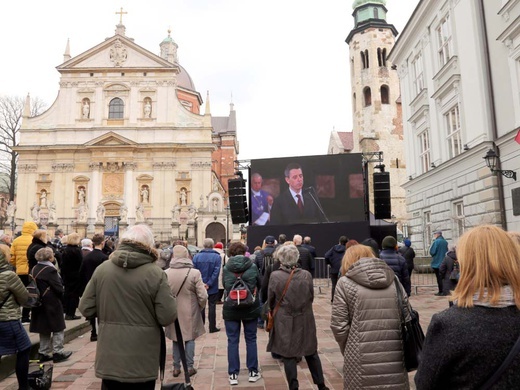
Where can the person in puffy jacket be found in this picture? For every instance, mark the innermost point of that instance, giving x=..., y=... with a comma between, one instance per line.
x=396, y=262
x=13, y=337
x=19, y=258
x=370, y=340
x=235, y=317
x=333, y=257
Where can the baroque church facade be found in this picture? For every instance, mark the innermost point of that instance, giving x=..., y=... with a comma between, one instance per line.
x=125, y=143
x=376, y=107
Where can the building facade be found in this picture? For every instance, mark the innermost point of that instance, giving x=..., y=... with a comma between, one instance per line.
x=376, y=109
x=125, y=143
x=458, y=64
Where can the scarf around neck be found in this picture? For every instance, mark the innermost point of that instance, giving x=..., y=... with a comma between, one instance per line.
x=506, y=298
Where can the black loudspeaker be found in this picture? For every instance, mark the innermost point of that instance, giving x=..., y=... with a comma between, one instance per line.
x=237, y=200
x=382, y=208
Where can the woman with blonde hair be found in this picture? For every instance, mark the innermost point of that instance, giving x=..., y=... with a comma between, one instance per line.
x=466, y=344
x=366, y=322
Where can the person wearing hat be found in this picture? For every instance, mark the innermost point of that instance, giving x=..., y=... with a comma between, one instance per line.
x=409, y=255
x=438, y=250
x=395, y=261
x=266, y=253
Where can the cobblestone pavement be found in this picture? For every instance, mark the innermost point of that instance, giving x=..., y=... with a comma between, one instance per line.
x=211, y=356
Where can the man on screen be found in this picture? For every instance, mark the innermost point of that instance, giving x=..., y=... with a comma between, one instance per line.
x=259, y=201
x=295, y=205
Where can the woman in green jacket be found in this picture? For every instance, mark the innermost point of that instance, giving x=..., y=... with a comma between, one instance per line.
x=240, y=266
x=13, y=337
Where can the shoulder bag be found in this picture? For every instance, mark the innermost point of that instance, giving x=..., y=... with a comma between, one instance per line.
x=270, y=316
x=411, y=332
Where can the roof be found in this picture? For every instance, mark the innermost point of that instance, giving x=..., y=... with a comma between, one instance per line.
x=347, y=139
x=224, y=124
x=184, y=80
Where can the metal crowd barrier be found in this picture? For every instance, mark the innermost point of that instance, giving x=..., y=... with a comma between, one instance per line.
x=321, y=273
x=423, y=275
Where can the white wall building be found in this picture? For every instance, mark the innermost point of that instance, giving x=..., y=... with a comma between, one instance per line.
x=459, y=68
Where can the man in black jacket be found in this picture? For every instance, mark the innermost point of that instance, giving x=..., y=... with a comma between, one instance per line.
x=396, y=262
x=333, y=257
x=306, y=259
x=89, y=264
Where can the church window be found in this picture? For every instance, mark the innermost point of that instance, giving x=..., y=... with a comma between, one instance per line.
x=417, y=74
x=376, y=13
x=453, y=138
x=367, y=94
x=385, y=95
x=366, y=59
x=92, y=75
x=444, y=40
x=122, y=73
x=363, y=62
x=424, y=148
x=381, y=56
x=116, y=109
x=144, y=74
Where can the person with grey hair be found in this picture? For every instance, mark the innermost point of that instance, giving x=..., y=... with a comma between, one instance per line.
x=48, y=318
x=306, y=259
x=132, y=300
x=86, y=246
x=294, y=331
x=208, y=262
x=5, y=239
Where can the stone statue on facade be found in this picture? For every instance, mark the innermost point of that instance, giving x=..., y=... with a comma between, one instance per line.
x=100, y=213
x=43, y=199
x=176, y=213
x=215, y=204
x=192, y=213
x=82, y=196
x=144, y=194
x=83, y=213
x=139, y=213
x=147, y=109
x=123, y=213
x=85, y=110
x=183, y=197
x=52, y=213
x=35, y=212
x=11, y=209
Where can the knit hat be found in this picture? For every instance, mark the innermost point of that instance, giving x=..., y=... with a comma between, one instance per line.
x=218, y=245
x=407, y=242
x=180, y=252
x=269, y=240
x=389, y=242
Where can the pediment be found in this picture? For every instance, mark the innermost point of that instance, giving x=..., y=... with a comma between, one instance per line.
x=111, y=139
x=119, y=53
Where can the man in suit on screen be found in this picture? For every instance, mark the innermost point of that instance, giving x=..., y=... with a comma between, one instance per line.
x=295, y=205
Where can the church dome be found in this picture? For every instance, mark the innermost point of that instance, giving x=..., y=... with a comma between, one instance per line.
x=184, y=80
x=359, y=3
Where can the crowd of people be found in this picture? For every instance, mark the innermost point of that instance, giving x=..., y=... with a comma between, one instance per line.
x=133, y=289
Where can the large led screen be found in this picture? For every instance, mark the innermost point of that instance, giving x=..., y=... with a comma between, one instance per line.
x=311, y=189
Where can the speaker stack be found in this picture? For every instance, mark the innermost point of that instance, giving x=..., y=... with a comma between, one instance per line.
x=238, y=200
x=382, y=208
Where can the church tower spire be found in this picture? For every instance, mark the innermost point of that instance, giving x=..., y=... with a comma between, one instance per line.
x=66, y=55
x=376, y=108
x=207, y=110
x=169, y=49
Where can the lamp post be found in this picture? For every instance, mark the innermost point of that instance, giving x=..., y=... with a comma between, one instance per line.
x=492, y=161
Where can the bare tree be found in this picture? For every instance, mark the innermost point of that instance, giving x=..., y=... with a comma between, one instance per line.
x=11, y=111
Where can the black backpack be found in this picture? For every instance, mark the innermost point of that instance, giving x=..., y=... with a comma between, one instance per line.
x=35, y=298
x=240, y=295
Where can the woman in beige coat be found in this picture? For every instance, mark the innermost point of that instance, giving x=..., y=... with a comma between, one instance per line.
x=187, y=286
x=366, y=323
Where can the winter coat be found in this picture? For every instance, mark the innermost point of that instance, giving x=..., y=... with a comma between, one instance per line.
x=334, y=256
x=294, y=330
x=19, y=248
x=208, y=261
x=48, y=317
x=260, y=263
x=223, y=259
x=465, y=346
x=191, y=299
x=131, y=298
x=89, y=264
x=398, y=265
x=366, y=324
x=35, y=246
x=265, y=279
x=70, y=264
x=409, y=255
x=306, y=260
x=445, y=269
x=438, y=250
x=251, y=276
x=11, y=284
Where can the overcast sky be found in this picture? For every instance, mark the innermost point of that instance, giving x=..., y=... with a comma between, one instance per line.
x=285, y=62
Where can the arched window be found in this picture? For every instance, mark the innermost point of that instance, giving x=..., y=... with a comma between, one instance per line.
x=366, y=59
x=363, y=64
x=385, y=95
x=381, y=57
x=367, y=94
x=116, y=109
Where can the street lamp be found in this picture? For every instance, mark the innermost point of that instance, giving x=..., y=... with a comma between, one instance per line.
x=492, y=161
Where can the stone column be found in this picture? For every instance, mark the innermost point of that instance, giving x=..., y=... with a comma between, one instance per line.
x=191, y=233
x=80, y=228
x=129, y=196
x=123, y=227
